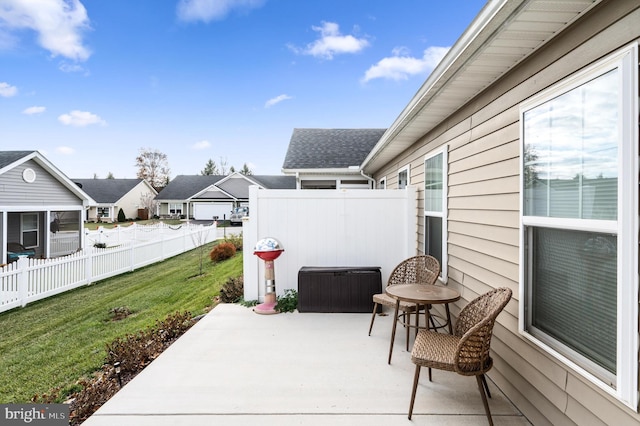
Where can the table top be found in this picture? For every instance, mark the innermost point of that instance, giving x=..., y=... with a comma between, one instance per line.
x=422, y=293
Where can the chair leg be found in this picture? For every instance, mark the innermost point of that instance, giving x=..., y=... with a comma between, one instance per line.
x=373, y=317
x=484, y=399
x=413, y=391
x=486, y=386
x=429, y=373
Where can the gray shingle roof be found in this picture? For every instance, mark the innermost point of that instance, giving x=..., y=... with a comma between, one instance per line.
x=185, y=186
x=107, y=191
x=9, y=157
x=330, y=148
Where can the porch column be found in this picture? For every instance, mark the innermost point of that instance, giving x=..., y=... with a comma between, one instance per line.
x=47, y=240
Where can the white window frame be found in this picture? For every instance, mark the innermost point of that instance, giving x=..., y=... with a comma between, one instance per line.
x=23, y=230
x=407, y=169
x=175, y=207
x=626, y=225
x=443, y=214
x=383, y=183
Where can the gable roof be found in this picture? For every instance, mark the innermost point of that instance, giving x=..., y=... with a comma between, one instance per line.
x=235, y=185
x=183, y=187
x=9, y=157
x=502, y=35
x=329, y=148
x=12, y=159
x=108, y=191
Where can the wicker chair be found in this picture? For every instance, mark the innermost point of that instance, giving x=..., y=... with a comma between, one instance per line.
x=423, y=269
x=465, y=352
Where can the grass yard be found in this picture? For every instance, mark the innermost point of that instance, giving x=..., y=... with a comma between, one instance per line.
x=54, y=342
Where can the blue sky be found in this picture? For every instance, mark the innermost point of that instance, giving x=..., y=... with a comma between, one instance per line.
x=89, y=83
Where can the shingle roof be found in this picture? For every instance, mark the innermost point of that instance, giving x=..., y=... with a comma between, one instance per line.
x=330, y=148
x=107, y=190
x=9, y=157
x=184, y=186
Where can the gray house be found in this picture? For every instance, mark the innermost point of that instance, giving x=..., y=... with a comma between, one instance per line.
x=205, y=197
x=523, y=146
x=330, y=158
x=111, y=195
x=41, y=210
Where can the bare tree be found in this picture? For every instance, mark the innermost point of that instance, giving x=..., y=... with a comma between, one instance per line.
x=148, y=202
x=153, y=167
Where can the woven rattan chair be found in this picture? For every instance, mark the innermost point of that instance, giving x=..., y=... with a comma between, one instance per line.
x=423, y=269
x=465, y=352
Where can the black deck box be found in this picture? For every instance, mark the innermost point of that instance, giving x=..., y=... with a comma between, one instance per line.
x=338, y=289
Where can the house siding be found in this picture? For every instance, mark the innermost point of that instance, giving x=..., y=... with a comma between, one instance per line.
x=483, y=145
x=48, y=191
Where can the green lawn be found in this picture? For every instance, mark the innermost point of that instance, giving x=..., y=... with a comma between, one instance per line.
x=56, y=341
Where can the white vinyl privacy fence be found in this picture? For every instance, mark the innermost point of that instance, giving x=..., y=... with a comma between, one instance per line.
x=328, y=228
x=28, y=280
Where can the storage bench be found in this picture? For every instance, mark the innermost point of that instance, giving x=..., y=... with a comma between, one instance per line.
x=338, y=289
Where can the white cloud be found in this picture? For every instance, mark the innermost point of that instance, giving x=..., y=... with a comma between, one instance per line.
x=331, y=42
x=271, y=102
x=65, y=150
x=58, y=23
x=80, y=119
x=201, y=145
x=7, y=90
x=67, y=67
x=209, y=10
x=34, y=110
x=401, y=66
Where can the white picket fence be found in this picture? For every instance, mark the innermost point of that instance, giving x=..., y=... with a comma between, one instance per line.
x=28, y=280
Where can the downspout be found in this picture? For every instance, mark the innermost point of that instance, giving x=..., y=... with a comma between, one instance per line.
x=369, y=178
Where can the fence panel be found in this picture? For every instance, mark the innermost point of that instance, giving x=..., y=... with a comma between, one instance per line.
x=126, y=249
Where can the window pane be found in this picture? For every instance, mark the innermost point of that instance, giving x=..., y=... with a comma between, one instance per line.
x=570, y=153
x=433, y=184
x=402, y=179
x=29, y=222
x=433, y=237
x=573, y=288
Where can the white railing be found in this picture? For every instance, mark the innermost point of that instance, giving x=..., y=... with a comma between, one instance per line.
x=28, y=280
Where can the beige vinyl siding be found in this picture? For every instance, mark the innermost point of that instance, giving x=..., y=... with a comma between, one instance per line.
x=44, y=191
x=483, y=146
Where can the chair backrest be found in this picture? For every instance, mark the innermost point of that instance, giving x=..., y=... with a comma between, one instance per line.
x=475, y=328
x=15, y=247
x=422, y=269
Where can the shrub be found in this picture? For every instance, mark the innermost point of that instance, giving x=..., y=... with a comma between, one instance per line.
x=288, y=302
x=236, y=240
x=222, y=251
x=232, y=290
x=121, y=216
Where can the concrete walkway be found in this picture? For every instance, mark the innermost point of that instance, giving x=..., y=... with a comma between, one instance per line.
x=235, y=367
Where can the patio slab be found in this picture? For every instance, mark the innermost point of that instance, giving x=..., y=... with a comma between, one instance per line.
x=235, y=367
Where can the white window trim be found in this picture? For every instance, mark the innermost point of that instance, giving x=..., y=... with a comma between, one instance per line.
x=407, y=169
x=382, y=183
x=445, y=207
x=626, y=390
x=23, y=230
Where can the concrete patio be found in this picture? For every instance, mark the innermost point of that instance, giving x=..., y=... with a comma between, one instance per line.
x=235, y=367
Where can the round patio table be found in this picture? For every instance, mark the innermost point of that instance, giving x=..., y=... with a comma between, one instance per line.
x=421, y=295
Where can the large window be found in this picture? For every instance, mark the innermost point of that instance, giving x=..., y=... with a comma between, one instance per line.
x=175, y=208
x=29, y=229
x=435, y=199
x=579, y=223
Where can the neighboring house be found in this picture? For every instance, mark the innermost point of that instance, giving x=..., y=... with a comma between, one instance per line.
x=111, y=195
x=40, y=208
x=523, y=145
x=205, y=197
x=330, y=158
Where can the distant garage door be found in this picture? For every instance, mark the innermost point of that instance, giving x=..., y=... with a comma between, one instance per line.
x=206, y=211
